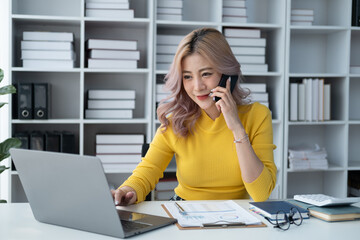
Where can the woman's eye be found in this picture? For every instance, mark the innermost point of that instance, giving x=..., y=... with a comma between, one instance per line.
x=207, y=74
x=186, y=77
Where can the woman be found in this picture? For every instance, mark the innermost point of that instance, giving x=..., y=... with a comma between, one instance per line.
x=223, y=149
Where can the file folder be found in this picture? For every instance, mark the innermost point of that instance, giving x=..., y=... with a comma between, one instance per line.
x=23, y=101
x=41, y=100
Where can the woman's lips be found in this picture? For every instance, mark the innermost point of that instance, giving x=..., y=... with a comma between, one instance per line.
x=203, y=97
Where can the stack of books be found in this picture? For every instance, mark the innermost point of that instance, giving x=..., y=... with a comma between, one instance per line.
x=310, y=100
x=166, y=46
x=119, y=152
x=110, y=104
x=109, y=9
x=257, y=92
x=48, y=49
x=161, y=92
x=303, y=17
x=170, y=10
x=305, y=157
x=104, y=53
x=234, y=11
x=248, y=48
x=164, y=190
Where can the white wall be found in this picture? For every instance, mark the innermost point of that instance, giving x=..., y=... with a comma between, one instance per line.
x=4, y=111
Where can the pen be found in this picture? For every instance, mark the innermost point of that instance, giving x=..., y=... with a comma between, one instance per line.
x=223, y=225
x=181, y=210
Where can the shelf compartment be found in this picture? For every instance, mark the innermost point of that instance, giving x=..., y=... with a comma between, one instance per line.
x=62, y=85
x=265, y=11
x=45, y=127
x=337, y=101
x=329, y=183
x=201, y=10
x=330, y=137
x=316, y=52
x=47, y=7
x=122, y=31
x=21, y=25
x=90, y=131
x=326, y=12
x=354, y=99
x=355, y=49
x=122, y=81
x=354, y=143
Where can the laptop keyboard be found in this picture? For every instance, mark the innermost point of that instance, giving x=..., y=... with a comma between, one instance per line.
x=131, y=226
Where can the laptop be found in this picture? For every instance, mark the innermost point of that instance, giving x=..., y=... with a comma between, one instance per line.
x=72, y=191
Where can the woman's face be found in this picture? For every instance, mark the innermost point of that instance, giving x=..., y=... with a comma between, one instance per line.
x=199, y=77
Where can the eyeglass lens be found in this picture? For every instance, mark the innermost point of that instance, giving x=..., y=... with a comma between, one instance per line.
x=282, y=220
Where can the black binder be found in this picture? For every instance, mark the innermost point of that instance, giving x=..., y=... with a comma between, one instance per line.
x=23, y=101
x=37, y=141
x=356, y=13
x=67, y=142
x=41, y=100
x=52, y=142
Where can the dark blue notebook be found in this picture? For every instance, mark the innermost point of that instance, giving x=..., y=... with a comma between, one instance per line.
x=271, y=208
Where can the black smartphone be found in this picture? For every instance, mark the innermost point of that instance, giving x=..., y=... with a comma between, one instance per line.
x=223, y=80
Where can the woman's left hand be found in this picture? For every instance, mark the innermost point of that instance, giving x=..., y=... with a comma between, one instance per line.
x=227, y=106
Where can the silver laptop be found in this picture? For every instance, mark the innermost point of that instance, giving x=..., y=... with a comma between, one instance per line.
x=72, y=191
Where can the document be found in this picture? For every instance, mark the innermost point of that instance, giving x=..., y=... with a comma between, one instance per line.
x=210, y=214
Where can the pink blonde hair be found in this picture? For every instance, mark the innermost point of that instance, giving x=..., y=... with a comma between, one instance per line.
x=211, y=44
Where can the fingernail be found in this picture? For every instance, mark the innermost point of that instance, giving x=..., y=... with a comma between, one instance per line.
x=213, y=98
x=210, y=94
x=116, y=202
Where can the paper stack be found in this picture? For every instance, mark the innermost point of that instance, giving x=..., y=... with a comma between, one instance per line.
x=166, y=46
x=110, y=104
x=257, y=92
x=248, y=48
x=303, y=17
x=109, y=9
x=105, y=53
x=48, y=49
x=164, y=190
x=234, y=11
x=169, y=10
x=302, y=158
x=119, y=152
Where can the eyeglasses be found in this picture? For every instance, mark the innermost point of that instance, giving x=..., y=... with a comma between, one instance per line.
x=283, y=220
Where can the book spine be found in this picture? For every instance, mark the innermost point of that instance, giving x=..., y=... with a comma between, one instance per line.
x=293, y=101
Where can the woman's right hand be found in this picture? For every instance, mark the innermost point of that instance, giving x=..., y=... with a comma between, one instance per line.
x=124, y=196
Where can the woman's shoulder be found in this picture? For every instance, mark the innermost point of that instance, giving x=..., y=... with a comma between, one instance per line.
x=254, y=108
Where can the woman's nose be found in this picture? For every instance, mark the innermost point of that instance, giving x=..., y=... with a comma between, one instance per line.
x=199, y=83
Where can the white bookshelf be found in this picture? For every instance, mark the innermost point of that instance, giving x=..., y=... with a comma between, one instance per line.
x=325, y=50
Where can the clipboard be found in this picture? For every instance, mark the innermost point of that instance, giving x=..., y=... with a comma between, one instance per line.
x=213, y=226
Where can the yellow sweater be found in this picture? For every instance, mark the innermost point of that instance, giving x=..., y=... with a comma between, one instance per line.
x=207, y=163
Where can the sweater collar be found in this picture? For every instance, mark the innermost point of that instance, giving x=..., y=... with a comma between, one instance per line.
x=205, y=123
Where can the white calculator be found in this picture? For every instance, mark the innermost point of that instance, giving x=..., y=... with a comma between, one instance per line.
x=322, y=200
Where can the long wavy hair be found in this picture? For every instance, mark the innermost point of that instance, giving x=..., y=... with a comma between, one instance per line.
x=212, y=45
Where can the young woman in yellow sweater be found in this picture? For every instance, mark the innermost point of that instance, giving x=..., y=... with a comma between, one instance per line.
x=223, y=149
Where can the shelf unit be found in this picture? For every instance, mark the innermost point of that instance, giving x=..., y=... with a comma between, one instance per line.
x=325, y=50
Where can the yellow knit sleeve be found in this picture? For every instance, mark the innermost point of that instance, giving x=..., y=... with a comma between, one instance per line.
x=261, y=138
x=147, y=174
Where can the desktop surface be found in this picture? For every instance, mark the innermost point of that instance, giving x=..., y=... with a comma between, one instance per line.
x=18, y=222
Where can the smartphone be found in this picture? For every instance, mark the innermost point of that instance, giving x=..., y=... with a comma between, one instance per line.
x=223, y=80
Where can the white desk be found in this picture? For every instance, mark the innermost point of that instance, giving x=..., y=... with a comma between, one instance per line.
x=18, y=222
